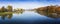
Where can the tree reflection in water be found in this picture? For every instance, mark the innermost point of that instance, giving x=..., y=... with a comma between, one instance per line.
x=18, y=12
x=49, y=14
x=8, y=15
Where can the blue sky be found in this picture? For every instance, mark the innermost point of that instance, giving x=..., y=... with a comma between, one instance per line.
x=28, y=4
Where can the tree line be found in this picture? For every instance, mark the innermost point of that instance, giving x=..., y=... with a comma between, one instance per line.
x=8, y=9
x=51, y=8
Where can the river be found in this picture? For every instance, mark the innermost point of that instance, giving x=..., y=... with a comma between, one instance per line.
x=29, y=17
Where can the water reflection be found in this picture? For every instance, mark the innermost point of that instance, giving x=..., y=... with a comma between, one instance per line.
x=18, y=12
x=27, y=17
x=49, y=14
x=8, y=15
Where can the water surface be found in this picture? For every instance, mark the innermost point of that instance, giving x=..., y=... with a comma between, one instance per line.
x=28, y=17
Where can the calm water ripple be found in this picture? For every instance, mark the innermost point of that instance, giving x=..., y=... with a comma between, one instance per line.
x=28, y=17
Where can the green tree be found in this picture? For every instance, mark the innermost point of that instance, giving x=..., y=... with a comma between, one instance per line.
x=9, y=8
x=3, y=9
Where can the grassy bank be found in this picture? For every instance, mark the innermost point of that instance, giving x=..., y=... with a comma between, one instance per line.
x=1, y=13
